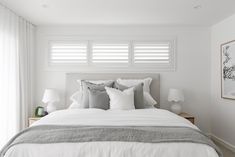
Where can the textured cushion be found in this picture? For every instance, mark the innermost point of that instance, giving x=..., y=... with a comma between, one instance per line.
x=86, y=85
x=98, y=99
x=133, y=82
x=121, y=100
x=92, y=81
x=138, y=94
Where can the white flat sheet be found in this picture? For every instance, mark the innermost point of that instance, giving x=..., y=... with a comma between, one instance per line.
x=142, y=117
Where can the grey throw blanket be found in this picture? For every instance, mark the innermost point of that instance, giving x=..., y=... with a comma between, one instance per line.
x=74, y=134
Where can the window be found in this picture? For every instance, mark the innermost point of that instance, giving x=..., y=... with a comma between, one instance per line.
x=151, y=52
x=114, y=53
x=158, y=55
x=68, y=53
x=108, y=54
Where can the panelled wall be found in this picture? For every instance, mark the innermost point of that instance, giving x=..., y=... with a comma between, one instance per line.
x=192, y=72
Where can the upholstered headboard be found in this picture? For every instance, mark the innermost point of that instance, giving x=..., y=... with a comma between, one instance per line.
x=72, y=84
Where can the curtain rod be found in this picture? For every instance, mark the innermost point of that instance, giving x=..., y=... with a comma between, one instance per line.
x=5, y=6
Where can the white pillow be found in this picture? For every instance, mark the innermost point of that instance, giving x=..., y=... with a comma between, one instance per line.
x=121, y=100
x=74, y=105
x=148, y=100
x=80, y=84
x=134, y=82
x=76, y=99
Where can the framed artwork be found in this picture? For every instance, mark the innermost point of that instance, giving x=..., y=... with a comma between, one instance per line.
x=228, y=70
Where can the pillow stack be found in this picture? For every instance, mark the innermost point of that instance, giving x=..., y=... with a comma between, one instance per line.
x=121, y=94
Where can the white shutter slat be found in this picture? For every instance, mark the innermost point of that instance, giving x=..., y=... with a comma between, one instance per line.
x=153, y=62
x=110, y=61
x=151, y=58
x=110, y=53
x=68, y=53
x=151, y=53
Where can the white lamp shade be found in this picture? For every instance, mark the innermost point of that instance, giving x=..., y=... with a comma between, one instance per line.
x=50, y=96
x=175, y=95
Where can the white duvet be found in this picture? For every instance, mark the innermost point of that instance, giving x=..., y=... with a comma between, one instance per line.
x=141, y=117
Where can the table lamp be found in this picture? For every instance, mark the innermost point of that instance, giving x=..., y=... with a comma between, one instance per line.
x=176, y=96
x=50, y=97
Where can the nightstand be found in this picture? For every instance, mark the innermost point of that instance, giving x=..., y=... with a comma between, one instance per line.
x=33, y=119
x=188, y=117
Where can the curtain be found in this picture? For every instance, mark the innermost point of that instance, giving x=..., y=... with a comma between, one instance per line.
x=16, y=50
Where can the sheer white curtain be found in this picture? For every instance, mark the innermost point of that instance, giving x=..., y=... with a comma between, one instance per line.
x=16, y=49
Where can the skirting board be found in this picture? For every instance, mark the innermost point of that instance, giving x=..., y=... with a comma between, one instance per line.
x=222, y=142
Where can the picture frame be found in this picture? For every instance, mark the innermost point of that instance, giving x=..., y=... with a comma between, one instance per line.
x=227, y=51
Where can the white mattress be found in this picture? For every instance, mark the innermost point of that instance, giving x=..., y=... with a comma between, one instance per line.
x=142, y=117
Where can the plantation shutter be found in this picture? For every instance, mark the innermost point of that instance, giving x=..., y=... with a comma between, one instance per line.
x=110, y=53
x=151, y=52
x=68, y=53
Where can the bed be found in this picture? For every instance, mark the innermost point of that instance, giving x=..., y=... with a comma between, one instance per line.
x=111, y=133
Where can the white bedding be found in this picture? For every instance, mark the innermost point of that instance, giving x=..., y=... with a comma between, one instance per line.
x=141, y=117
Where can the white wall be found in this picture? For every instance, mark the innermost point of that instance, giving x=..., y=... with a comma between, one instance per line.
x=223, y=110
x=193, y=64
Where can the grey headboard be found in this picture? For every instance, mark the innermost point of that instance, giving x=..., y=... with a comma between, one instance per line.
x=72, y=85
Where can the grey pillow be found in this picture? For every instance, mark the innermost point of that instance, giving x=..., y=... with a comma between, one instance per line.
x=98, y=99
x=138, y=94
x=92, y=86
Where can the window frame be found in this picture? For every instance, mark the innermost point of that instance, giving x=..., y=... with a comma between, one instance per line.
x=90, y=67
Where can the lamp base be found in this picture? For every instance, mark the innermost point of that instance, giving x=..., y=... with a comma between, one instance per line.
x=51, y=108
x=176, y=108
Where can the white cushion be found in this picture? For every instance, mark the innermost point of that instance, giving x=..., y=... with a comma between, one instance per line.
x=121, y=100
x=74, y=105
x=134, y=82
x=148, y=100
x=76, y=99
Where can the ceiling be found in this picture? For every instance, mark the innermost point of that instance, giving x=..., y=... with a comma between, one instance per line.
x=123, y=12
